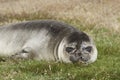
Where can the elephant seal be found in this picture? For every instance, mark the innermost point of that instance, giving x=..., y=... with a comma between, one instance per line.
x=48, y=40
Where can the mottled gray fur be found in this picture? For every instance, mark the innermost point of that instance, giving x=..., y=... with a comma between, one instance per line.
x=46, y=40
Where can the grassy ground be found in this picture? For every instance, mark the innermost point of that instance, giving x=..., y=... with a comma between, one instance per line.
x=99, y=24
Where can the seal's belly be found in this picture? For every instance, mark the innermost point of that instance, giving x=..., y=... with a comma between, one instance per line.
x=40, y=43
x=13, y=42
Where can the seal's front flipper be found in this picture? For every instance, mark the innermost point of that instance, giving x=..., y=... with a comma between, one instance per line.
x=26, y=53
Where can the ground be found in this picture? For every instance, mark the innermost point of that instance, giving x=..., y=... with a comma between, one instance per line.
x=100, y=19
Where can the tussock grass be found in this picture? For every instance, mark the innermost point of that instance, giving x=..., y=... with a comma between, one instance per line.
x=99, y=18
x=94, y=12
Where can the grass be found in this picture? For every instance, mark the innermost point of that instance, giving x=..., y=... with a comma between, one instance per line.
x=107, y=39
x=95, y=12
x=105, y=68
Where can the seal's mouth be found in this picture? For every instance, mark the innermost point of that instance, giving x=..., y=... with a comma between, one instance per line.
x=82, y=60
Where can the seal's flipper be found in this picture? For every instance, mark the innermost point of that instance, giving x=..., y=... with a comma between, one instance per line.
x=26, y=53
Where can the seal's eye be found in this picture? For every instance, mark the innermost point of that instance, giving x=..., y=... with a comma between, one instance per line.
x=69, y=49
x=89, y=48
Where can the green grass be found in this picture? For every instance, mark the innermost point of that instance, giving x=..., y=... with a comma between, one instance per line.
x=107, y=66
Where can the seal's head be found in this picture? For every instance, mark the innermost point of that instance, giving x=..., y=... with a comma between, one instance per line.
x=84, y=52
x=78, y=47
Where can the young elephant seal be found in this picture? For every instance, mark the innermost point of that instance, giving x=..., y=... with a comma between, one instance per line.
x=46, y=40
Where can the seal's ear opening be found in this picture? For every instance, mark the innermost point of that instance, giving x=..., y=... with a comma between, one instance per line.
x=69, y=49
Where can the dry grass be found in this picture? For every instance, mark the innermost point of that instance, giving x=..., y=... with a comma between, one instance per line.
x=99, y=13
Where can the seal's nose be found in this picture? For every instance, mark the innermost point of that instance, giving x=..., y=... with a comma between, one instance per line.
x=78, y=53
x=83, y=58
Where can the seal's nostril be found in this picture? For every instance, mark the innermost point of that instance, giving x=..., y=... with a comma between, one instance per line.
x=79, y=54
x=81, y=57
